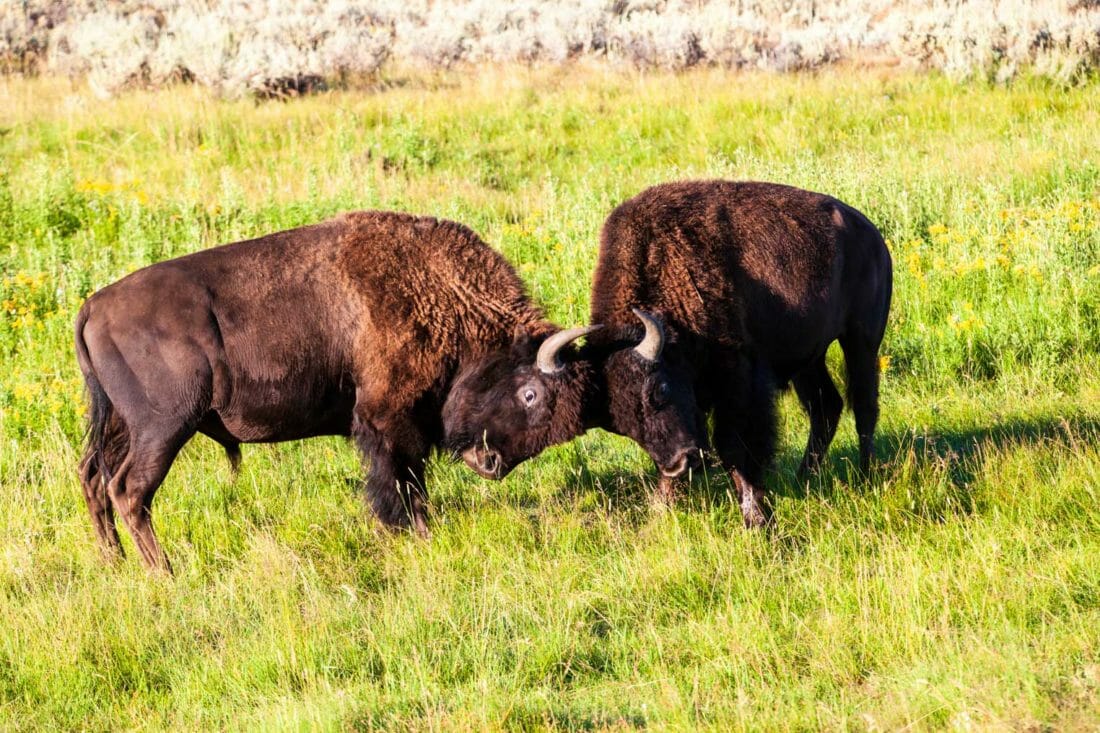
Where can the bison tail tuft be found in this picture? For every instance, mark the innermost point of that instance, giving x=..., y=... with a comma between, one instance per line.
x=99, y=420
x=233, y=453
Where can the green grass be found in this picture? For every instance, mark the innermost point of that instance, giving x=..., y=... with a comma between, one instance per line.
x=960, y=589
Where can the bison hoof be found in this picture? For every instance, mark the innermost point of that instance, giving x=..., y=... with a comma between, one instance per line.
x=754, y=514
x=420, y=527
x=667, y=492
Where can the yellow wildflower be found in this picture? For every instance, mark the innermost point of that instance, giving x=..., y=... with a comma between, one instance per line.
x=913, y=261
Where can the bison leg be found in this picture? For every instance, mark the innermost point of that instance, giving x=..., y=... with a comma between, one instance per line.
x=745, y=428
x=136, y=482
x=861, y=360
x=395, y=480
x=158, y=388
x=823, y=404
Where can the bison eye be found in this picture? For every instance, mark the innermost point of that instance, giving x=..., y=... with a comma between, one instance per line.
x=660, y=394
x=529, y=396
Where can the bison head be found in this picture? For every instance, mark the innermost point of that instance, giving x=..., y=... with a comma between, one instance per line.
x=511, y=404
x=650, y=400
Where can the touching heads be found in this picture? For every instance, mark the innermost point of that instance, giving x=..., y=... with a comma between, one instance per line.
x=512, y=404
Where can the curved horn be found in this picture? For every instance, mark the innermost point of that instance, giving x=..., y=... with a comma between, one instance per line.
x=547, y=359
x=654, y=341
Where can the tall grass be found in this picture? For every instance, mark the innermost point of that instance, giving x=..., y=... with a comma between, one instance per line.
x=958, y=590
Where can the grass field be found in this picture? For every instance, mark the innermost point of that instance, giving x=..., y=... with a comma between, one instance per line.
x=959, y=590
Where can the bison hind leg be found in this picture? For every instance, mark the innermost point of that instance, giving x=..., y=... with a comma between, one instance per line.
x=94, y=485
x=108, y=442
x=136, y=482
x=823, y=404
x=861, y=360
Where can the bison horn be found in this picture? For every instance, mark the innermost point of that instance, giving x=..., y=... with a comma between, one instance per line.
x=547, y=360
x=654, y=341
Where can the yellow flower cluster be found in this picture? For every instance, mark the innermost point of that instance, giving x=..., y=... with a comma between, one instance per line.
x=51, y=396
x=966, y=320
x=25, y=299
x=531, y=230
x=1073, y=213
x=1020, y=248
x=103, y=187
x=24, y=280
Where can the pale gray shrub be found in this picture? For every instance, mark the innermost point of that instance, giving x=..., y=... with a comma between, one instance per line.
x=111, y=48
x=271, y=46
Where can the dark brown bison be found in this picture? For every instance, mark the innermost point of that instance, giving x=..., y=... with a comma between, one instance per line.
x=356, y=327
x=753, y=281
x=747, y=284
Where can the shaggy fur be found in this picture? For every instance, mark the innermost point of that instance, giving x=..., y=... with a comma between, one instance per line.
x=753, y=281
x=356, y=327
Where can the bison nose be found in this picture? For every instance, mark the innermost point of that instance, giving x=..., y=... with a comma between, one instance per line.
x=485, y=461
x=685, y=459
x=490, y=462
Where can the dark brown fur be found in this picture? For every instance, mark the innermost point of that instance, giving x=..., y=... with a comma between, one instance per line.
x=754, y=281
x=356, y=326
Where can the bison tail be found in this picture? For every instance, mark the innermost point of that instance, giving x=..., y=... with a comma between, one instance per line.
x=108, y=438
x=233, y=453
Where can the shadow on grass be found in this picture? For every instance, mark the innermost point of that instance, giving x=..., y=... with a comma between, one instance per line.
x=957, y=451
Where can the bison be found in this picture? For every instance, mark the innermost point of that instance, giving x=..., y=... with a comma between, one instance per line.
x=753, y=282
x=740, y=288
x=356, y=326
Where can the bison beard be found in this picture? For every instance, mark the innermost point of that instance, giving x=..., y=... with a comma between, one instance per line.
x=754, y=282
x=355, y=327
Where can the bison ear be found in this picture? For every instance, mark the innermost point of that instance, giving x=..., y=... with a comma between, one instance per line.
x=523, y=343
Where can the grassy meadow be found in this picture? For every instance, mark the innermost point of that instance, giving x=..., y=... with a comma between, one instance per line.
x=958, y=590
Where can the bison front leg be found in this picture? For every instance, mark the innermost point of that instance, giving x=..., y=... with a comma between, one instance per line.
x=745, y=428
x=395, y=479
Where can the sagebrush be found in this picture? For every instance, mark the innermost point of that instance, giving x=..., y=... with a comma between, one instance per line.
x=289, y=46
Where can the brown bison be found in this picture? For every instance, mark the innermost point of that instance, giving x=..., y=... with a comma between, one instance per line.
x=747, y=284
x=356, y=327
x=753, y=282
